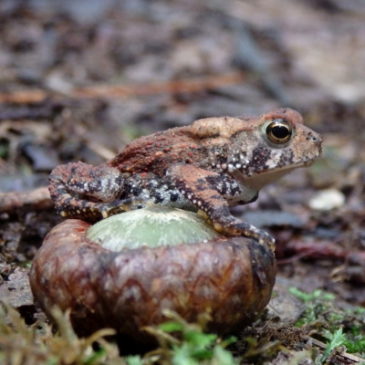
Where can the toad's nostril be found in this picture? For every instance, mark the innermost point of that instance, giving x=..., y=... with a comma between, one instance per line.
x=316, y=138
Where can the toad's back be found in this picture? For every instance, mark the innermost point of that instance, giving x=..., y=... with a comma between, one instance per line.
x=156, y=152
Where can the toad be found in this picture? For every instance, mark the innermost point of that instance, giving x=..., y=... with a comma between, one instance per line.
x=207, y=166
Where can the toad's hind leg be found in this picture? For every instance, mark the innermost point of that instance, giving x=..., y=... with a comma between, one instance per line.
x=84, y=191
x=198, y=187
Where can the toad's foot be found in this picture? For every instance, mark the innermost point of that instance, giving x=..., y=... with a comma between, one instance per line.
x=234, y=227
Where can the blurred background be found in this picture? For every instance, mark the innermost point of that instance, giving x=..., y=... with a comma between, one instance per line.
x=107, y=71
x=80, y=78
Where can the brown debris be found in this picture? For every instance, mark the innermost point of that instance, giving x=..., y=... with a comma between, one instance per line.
x=189, y=85
x=37, y=199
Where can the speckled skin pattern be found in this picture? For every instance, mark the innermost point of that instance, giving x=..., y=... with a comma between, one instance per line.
x=207, y=166
x=231, y=278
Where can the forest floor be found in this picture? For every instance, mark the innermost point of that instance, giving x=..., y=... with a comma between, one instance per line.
x=78, y=82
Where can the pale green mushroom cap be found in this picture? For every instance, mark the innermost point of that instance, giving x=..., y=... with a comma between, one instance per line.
x=153, y=227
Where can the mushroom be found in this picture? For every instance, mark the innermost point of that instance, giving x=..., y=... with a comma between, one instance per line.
x=124, y=271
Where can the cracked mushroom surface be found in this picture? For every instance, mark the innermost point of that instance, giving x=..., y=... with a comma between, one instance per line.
x=129, y=288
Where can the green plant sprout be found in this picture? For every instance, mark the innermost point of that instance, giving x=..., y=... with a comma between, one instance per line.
x=337, y=327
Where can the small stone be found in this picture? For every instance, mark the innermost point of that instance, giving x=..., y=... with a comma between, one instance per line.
x=327, y=199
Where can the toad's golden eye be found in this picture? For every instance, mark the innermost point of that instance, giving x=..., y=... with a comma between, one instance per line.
x=279, y=131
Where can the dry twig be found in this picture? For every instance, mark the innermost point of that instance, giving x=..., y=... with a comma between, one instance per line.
x=37, y=199
x=132, y=90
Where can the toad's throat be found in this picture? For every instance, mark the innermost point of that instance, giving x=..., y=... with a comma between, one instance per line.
x=259, y=180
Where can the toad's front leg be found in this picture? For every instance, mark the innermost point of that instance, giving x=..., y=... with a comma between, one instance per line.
x=80, y=190
x=204, y=189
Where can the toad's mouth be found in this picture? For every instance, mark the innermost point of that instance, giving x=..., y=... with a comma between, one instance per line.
x=308, y=163
x=289, y=167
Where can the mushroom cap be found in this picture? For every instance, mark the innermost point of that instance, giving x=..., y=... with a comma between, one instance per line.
x=231, y=278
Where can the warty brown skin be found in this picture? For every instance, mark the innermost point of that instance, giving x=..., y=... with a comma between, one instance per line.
x=232, y=279
x=208, y=166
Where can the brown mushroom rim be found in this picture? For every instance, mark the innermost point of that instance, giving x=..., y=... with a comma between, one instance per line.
x=230, y=278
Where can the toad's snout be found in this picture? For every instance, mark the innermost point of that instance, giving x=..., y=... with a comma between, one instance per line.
x=315, y=140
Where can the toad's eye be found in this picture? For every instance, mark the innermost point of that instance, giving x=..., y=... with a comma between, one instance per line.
x=279, y=131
